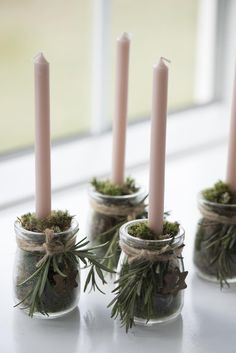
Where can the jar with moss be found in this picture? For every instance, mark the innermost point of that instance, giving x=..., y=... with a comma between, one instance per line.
x=111, y=206
x=215, y=242
x=47, y=270
x=151, y=275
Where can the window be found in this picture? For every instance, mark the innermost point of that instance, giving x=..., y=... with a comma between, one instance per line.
x=78, y=39
x=63, y=32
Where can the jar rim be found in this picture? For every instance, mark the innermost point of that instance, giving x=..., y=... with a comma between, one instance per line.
x=201, y=199
x=74, y=227
x=93, y=193
x=124, y=229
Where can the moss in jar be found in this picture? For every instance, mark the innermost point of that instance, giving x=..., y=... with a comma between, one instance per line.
x=106, y=187
x=215, y=242
x=142, y=231
x=219, y=193
x=150, y=289
x=58, y=221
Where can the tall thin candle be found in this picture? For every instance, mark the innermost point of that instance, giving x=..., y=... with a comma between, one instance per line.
x=120, y=118
x=42, y=137
x=231, y=165
x=158, y=147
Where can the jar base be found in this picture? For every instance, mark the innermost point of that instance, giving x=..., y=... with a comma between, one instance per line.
x=51, y=316
x=142, y=322
x=211, y=278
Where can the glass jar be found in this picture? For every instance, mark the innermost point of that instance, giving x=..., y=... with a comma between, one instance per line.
x=215, y=242
x=108, y=213
x=60, y=294
x=166, y=273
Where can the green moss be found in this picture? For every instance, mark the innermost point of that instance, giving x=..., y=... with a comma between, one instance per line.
x=142, y=231
x=106, y=187
x=219, y=193
x=58, y=221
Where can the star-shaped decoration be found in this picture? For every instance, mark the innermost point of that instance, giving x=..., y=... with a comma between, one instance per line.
x=174, y=281
x=60, y=283
x=71, y=279
x=63, y=283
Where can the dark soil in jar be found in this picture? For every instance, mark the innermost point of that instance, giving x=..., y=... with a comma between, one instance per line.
x=60, y=293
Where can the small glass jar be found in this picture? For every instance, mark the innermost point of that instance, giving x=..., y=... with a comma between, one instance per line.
x=108, y=213
x=167, y=300
x=215, y=242
x=61, y=293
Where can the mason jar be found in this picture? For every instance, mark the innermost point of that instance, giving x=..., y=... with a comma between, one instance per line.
x=215, y=242
x=108, y=213
x=167, y=275
x=61, y=292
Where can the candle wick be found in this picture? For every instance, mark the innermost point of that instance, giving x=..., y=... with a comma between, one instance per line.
x=165, y=59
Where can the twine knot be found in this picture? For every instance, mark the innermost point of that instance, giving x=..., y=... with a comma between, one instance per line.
x=52, y=245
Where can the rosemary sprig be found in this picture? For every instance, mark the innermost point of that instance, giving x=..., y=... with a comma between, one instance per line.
x=137, y=288
x=38, y=280
x=221, y=245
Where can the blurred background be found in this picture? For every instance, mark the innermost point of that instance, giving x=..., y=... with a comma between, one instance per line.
x=79, y=40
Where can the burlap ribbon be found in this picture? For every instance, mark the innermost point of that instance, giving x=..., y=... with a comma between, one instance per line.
x=51, y=246
x=163, y=254
x=216, y=217
x=131, y=212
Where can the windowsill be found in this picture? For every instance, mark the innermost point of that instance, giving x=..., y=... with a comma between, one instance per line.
x=207, y=309
x=77, y=161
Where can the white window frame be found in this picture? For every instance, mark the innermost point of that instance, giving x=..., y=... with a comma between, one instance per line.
x=75, y=162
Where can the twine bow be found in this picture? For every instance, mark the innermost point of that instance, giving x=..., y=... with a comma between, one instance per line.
x=52, y=246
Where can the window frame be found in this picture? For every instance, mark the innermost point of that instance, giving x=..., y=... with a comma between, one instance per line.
x=69, y=154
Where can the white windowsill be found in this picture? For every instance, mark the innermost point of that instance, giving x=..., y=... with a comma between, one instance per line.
x=77, y=161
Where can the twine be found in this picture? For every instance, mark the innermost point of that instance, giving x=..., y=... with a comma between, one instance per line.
x=215, y=217
x=51, y=246
x=131, y=212
x=164, y=254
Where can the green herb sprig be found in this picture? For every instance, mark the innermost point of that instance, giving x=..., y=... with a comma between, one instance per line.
x=221, y=245
x=33, y=300
x=142, y=281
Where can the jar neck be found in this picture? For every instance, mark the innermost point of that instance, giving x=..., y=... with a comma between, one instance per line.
x=217, y=212
x=39, y=237
x=138, y=243
x=134, y=198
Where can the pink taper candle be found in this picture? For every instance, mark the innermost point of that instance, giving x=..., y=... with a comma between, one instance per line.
x=231, y=165
x=42, y=137
x=120, y=118
x=158, y=147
